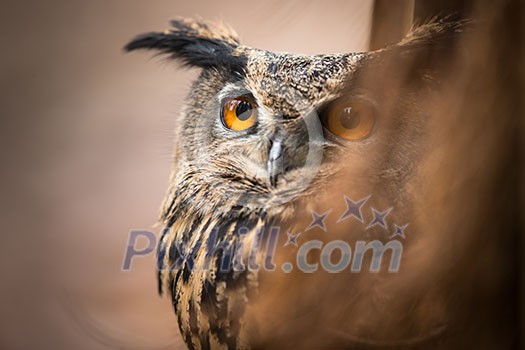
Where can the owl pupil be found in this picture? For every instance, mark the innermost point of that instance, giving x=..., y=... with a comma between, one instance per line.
x=243, y=110
x=350, y=118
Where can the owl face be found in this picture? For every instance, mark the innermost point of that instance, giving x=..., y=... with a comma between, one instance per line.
x=261, y=128
x=260, y=131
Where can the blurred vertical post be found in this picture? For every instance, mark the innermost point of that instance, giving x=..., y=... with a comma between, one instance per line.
x=391, y=20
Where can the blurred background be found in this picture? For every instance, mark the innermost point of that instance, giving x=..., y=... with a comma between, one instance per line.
x=86, y=142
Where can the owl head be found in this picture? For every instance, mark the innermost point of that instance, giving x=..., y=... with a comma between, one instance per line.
x=261, y=128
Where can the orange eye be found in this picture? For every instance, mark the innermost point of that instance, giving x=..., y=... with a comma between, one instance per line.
x=239, y=113
x=352, y=120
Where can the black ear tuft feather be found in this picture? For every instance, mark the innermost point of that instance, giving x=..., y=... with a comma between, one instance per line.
x=196, y=44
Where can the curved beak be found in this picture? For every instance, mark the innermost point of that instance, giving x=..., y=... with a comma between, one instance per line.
x=275, y=159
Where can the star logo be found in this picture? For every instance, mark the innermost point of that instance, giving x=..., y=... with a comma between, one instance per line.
x=399, y=231
x=318, y=220
x=354, y=208
x=292, y=239
x=379, y=218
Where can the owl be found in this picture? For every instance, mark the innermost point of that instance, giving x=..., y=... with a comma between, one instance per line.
x=278, y=151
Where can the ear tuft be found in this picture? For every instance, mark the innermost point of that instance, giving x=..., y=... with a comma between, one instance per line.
x=195, y=43
x=210, y=30
x=437, y=31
